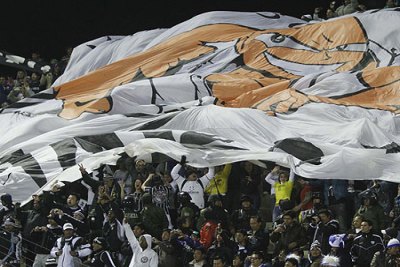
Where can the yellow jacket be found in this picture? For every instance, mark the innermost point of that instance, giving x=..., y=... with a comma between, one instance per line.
x=221, y=180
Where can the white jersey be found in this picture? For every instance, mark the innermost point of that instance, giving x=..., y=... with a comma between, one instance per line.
x=194, y=188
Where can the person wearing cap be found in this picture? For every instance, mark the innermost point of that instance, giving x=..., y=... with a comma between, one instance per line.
x=240, y=218
x=315, y=255
x=292, y=260
x=143, y=255
x=191, y=183
x=330, y=261
x=69, y=248
x=340, y=249
x=100, y=256
x=10, y=244
x=391, y=257
x=365, y=245
x=8, y=207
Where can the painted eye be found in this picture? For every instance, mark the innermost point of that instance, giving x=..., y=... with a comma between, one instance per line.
x=277, y=38
x=341, y=47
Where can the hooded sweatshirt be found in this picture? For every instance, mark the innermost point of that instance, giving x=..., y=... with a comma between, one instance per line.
x=140, y=258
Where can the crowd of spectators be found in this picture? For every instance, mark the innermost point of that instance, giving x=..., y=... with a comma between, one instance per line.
x=27, y=83
x=171, y=214
x=337, y=8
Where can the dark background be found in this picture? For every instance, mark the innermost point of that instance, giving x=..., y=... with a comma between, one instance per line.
x=50, y=26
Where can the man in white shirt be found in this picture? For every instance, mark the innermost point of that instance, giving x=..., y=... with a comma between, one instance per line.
x=192, y=184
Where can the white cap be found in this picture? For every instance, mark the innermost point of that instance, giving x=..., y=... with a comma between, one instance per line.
x=393, y=243
x=67, y=226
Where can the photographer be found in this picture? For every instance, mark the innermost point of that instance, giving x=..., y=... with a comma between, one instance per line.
x=288, y=235
x=70, y=248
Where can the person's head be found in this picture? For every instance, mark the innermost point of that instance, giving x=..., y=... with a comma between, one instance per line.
x=331, y=261
x=324, y=215
x=219, y=261
x=336, y=242
x=215, y=201
x=288, y=217
x=198, y=254
x=240, y=236
x=138, y=185
x=35, y=76
x=292, y=260
x=166, y=235
x=140, y=165
x=68, y=230
x=248, y=166
x=255, y=223
x=138, y=229
x=191, y=174
x=21, y=74
x=246, y=202
x=283, y=177
x=330, y=13
x=99, y=243
x=111, y=215
x=237, y=261
x=393, y=247
x=357, y=220
x=72, y=200
x=166, y=178
x=256, y=258
x=366, y=226
x=6, y=200
x=315, y=250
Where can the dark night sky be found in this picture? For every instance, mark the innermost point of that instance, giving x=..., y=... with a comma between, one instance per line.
x=50, y=26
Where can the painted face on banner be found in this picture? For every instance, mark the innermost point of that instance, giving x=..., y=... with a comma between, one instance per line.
x=262, y=63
